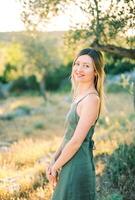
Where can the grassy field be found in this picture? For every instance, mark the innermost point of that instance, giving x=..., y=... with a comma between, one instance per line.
x=31, y=130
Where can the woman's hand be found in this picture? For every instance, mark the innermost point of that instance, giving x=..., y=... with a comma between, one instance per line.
x=51, y=174
x=48, y=168
x=54, y=176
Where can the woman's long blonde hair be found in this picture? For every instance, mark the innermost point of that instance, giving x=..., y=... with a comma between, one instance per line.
x=98, y=63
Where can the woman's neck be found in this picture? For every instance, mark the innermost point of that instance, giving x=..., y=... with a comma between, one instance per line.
x=82, y=90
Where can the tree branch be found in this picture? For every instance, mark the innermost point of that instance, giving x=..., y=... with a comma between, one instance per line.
x=129, y=53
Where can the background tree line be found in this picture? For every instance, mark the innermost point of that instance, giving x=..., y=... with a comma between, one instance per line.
x=43, y=61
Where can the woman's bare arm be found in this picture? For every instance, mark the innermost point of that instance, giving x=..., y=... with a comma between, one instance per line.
x=58, y=151
x=87, y=119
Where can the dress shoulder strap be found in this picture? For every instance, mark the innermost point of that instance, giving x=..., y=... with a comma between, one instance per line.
x=86, y=96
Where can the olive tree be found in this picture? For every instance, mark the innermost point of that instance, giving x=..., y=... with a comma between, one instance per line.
x=107, y=26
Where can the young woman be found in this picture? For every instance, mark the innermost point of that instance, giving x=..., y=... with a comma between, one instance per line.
x=72, y=169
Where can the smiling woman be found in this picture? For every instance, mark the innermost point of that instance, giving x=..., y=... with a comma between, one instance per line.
x=83, y=68
x=72, y=170
x=87, y=68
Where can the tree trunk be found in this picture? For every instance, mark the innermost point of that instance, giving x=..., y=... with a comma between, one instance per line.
x=43, y=88
x=129, y=53
x=134, y=94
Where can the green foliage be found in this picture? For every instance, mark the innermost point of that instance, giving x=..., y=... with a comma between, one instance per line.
x=14, y=59
x=14, y=53
x=117, y=65
x=25, y=83
x=30, y=55
x=120, y=169
x=17, y=112
x=25, y=109
x=42, y=55
x=132, y=117
x=2, y=79
x=104, y=23
x=7, y=71
x=40, y=11
x=9, y=117
x=107, y=23
x=65, y=86
x=127, y=83
x=58, y=77
x=114, y=196
x=115, y=88
x=27, y=131
x=39, y=125
x=103, y=121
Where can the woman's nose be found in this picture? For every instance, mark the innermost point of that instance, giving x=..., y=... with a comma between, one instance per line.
x=79, y=68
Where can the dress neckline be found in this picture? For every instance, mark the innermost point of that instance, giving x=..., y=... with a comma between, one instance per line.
x=76, y=103
x=84, y=97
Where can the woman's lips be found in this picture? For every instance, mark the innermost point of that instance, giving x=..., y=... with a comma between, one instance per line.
x=79, y=75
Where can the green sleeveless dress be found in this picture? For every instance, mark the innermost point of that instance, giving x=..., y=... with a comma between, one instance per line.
x=77, y=179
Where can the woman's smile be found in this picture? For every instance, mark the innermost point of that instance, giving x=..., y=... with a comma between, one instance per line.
x=83, y=69
x=79, y=75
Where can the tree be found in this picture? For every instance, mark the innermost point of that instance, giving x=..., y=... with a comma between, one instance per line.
x=107, y=26
x=13, y=60
x=41, y=55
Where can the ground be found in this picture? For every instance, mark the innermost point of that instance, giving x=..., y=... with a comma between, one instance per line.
x=31, y=130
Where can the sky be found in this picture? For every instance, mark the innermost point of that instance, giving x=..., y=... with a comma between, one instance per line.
x=10, y=18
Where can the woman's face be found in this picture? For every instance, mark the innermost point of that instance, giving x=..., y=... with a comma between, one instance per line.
x=83, y=69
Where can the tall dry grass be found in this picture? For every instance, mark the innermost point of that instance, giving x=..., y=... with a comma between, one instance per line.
x=37, y=134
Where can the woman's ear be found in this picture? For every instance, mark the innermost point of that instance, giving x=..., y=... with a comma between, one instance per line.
x=95, y=73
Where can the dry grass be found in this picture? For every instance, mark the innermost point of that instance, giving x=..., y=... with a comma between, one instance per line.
x=22, y=171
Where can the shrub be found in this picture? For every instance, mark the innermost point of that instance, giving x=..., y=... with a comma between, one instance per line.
x=115, y=88
x=115, y=64
x=39, y=125
x=25, y=83
x=57, y=77
x=121, y=169
x=114, y=196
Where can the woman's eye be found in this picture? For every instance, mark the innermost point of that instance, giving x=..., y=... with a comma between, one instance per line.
x=87, y=66
x=77, y=64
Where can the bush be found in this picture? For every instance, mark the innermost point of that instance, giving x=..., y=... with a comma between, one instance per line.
x=115, y=88
x=58, y=77
x=114, y=196
x=39, y=125
x=17, y=112
x=121, y=169
x=25, y=83
x=28, y=131
x=132, y=117
x=117, y=65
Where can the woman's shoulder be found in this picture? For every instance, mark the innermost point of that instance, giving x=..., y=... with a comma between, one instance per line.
x=90, y=103
x=90, y=99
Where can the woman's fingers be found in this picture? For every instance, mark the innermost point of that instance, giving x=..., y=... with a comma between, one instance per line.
x=48, y=172
x=48, y=169
x=52, y=180
x=55, y=181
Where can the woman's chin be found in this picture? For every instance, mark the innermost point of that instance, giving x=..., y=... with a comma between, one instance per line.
x=80, y=80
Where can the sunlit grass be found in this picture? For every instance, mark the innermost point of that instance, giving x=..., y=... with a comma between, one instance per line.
x=23, y=166
x=37, y=136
